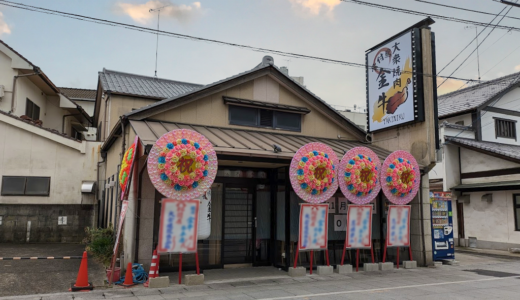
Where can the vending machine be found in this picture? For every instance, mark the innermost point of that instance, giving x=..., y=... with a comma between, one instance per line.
x=442, y=226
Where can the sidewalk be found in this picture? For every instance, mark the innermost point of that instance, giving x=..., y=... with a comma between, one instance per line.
x=487, y=252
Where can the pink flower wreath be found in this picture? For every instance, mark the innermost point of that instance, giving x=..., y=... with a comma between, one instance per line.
x=401, y=177
x=359, y=170
x=313, y=172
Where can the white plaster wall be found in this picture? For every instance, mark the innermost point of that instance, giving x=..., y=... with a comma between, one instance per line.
x=26, y=89
x=24, y=153
x=438, y=171
x=468, y=134
x=472, y=161
x=452, y=170
x=510, y=100
x=488, y=127
x=465, y=118
x=495, y=221
x=88, y=106
x=6, y=79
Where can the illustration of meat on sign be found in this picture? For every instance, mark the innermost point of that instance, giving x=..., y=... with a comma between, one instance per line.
x=397, y=99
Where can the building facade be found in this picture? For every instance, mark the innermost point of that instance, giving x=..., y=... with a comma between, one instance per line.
x=480, y=162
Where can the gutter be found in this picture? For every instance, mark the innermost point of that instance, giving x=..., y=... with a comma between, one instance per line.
x=36, y=72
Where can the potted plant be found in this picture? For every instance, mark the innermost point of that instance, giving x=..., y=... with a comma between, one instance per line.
x=100, y=244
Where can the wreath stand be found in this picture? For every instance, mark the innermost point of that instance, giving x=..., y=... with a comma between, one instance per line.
x=409, y=251
x=357, y=254
x=196, y=265
x=312, y=255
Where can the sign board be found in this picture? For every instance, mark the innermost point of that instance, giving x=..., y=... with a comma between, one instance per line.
x=342, y=205
x=204, y=216
x=178, y=226
x=392, y=91
x=313, y=227
x=398, y=226
x=332, y=205
x=124, y=208
x=340, y=222
x=359, y=227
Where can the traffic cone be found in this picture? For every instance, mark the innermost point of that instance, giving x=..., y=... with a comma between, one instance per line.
x=82, y=283
x=129, y=279
x=154, y=268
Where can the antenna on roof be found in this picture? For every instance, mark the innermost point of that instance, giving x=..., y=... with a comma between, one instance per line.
x=158, y=10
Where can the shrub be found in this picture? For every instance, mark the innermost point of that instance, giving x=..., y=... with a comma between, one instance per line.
x=100, y=244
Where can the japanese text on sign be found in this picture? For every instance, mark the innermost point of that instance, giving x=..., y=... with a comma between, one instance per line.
x=178, y=227
x=359, y=226
x=398, y=227
x=313, y=227
x=390, y=84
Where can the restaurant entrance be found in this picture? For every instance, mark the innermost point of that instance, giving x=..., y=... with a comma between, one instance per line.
x=246, y=224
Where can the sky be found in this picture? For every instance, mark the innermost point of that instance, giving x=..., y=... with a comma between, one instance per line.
x=72, y=52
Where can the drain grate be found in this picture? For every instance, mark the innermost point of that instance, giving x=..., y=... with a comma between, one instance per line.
x=492, y=273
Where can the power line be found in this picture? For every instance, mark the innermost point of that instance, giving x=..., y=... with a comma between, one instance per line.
x=418, y=13
x=476, y=47
x=188, y=37
x=462, y=8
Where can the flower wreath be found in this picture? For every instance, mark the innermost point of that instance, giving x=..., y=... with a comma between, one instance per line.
x=124, y=174
x=315, y=172
x=400, y=177
x=183, y=164
x=361, y=175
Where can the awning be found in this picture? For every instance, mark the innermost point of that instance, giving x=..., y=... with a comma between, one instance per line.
x=230, y=141
x=488, y=186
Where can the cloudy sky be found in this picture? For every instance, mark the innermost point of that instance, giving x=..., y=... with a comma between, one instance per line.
x=71, y=52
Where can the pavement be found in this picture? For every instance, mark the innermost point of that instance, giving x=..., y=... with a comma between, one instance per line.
x=474, y=277
x=26, y=277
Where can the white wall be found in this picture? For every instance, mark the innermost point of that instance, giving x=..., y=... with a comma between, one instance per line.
x=25, y=153
x=493, y=222
x=88, y=106
x=472, y=161
x=465, y=118
x=488, y=127
x=510, y=100
x=6, y=79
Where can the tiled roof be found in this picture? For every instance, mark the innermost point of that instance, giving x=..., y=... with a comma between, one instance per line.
x=504, y=150
x=75, y=94
x=145, y=86
x=457, y=126
x=267, y=62
x=472, y=97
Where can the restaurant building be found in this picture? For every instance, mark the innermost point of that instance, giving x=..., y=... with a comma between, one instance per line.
x=256, y=121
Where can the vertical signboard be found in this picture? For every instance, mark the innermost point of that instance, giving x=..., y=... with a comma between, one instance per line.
x=178, y=226
x=124, y=208
x=313, y=227
x=398, y=227
x=394, y=85
x=359, y=227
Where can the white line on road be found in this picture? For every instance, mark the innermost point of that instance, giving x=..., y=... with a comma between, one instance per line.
x=387, y=289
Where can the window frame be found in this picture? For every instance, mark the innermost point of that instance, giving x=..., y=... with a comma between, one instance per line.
x=32, y=105
x=497, y=131
x=24, y=194
x=275, y=114
x=515, y=207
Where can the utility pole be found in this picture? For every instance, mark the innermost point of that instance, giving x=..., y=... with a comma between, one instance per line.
x=478, y=56
x=158, y=10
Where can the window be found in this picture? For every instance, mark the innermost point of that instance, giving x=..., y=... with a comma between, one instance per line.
x=516, y=207
x=25, y=186
x=257, y=117
x=32, y=110
x=505, y=128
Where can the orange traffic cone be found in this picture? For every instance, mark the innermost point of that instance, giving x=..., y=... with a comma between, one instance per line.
x=82, y=283
x=129, y=279
x=154, y=268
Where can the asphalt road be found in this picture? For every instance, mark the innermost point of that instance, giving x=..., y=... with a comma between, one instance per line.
x=25, y=277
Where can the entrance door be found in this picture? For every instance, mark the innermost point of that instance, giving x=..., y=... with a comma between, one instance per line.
x=246, y=228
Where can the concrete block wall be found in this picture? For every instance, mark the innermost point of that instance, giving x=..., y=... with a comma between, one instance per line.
x=43, y=220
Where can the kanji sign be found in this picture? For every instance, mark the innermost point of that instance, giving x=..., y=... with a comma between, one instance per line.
x=398, y=227
x=178, y=226
x=391, y=84
x=313, y=227
x=359, y=226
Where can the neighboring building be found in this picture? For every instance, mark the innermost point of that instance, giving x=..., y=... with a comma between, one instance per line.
x=47, y=170
x=85, y=99
x=252, y=184
x=359, y=118
x=480, y=161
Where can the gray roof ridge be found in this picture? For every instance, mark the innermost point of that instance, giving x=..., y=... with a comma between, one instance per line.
x=64, y=87
x=480, y=85
x=475, y=141
x=148, y=77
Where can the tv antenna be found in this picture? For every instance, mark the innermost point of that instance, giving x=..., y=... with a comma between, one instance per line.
x=158, y=10
x=478, y=57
